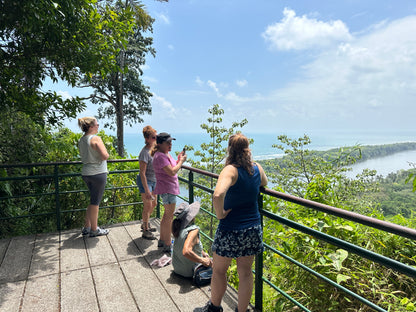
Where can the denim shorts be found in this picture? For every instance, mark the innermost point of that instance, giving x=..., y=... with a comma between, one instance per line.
x=168, y=198
x=150, y=184
x=238, y=243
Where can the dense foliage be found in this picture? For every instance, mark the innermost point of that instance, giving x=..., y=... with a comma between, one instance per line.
x=396, y=194
x=387, y=198
x=121, y=93
x=62, y=39
x=36, y=196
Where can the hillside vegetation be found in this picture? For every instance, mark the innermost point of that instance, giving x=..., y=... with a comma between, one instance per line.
x=308, y=174
x=358, y=153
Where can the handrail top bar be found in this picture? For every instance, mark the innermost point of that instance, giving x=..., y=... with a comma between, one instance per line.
x=78, y=162
x=204, y=172
x=353, y=216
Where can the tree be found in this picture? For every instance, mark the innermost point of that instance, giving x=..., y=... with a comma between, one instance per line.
x=65, y=39
x=13, y=148
x=212, y=154
x=121, y=93
x=309, y=174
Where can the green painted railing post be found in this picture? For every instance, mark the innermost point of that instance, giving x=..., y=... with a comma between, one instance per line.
x=57, y=201
x=258, y=290
x=191, y=186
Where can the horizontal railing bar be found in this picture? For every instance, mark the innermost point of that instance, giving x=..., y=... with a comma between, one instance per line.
x=207, y=236
x=208, y=212
x=28, y=195
x=349, y=215
x=282, y=292
x=200, y=171
x=65, y=192
x=34, y=177
x=60, y=163
x=67, y=211
x=393, y=264
x=324, y=278
x=202, y=187
x=28, y=216
x=61, y=175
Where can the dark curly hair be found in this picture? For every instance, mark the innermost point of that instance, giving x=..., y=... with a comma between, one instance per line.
x=239, y=153
x=176, y=227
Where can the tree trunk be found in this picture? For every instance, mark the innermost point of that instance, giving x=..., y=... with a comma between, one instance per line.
x=120, y=117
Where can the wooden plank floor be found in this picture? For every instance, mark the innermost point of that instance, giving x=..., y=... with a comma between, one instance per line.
x=66, y=272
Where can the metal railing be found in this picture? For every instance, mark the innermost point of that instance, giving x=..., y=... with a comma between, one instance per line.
x=57, y=176
x=53, y=176
x=260, y=279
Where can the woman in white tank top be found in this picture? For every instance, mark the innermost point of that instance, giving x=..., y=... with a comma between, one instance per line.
x=94, y=157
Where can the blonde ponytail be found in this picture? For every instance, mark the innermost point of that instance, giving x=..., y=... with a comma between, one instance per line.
x=85, y=123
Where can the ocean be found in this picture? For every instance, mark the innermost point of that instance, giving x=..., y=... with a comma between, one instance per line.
x=320, y=140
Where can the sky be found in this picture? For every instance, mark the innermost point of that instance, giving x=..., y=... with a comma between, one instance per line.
x=283, y=65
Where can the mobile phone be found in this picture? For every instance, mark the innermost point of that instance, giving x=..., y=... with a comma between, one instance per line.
x=184, y=150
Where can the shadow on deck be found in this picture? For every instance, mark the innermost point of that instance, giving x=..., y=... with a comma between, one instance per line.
x=66, y=272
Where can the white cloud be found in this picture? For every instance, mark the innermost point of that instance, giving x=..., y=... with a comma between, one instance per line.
x=171, y=47
x=241, y=83
x=233, y=97
x=370, y=81
x=301, y=32
x=162, y=106
x=214, y=87
x=199, y=82
x=165, y=19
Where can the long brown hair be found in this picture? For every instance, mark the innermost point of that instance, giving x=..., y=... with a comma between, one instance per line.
x=239, y=153
x=154, y=150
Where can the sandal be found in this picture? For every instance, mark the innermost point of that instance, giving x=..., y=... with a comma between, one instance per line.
x=149, y=227
x=148, y=235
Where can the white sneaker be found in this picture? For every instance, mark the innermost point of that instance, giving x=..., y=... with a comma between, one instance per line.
x=99, y=232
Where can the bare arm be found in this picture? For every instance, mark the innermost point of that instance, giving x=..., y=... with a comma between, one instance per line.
x=262, y=175
x=227, y=178
x=98, y=145
x=188, y=252
x=142, y=174
x=174, y=170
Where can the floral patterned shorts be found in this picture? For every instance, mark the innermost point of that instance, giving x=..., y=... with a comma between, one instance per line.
x=238, y=243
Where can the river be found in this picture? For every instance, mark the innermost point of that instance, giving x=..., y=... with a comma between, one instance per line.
x=387, y=164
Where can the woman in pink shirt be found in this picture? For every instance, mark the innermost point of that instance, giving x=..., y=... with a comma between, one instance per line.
x=167, y=184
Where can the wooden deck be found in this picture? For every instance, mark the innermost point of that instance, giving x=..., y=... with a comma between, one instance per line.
x=66, y=272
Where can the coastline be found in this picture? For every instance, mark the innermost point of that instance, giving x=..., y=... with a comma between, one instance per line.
x=320, y=141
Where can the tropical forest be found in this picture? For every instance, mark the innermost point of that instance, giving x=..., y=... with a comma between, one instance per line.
x=103, y=45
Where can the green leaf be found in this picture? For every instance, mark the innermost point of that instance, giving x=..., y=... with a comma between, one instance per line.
x=342, y=278
x=337, y=258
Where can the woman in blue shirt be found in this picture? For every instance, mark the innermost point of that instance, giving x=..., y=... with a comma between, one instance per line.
x=239, y=234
